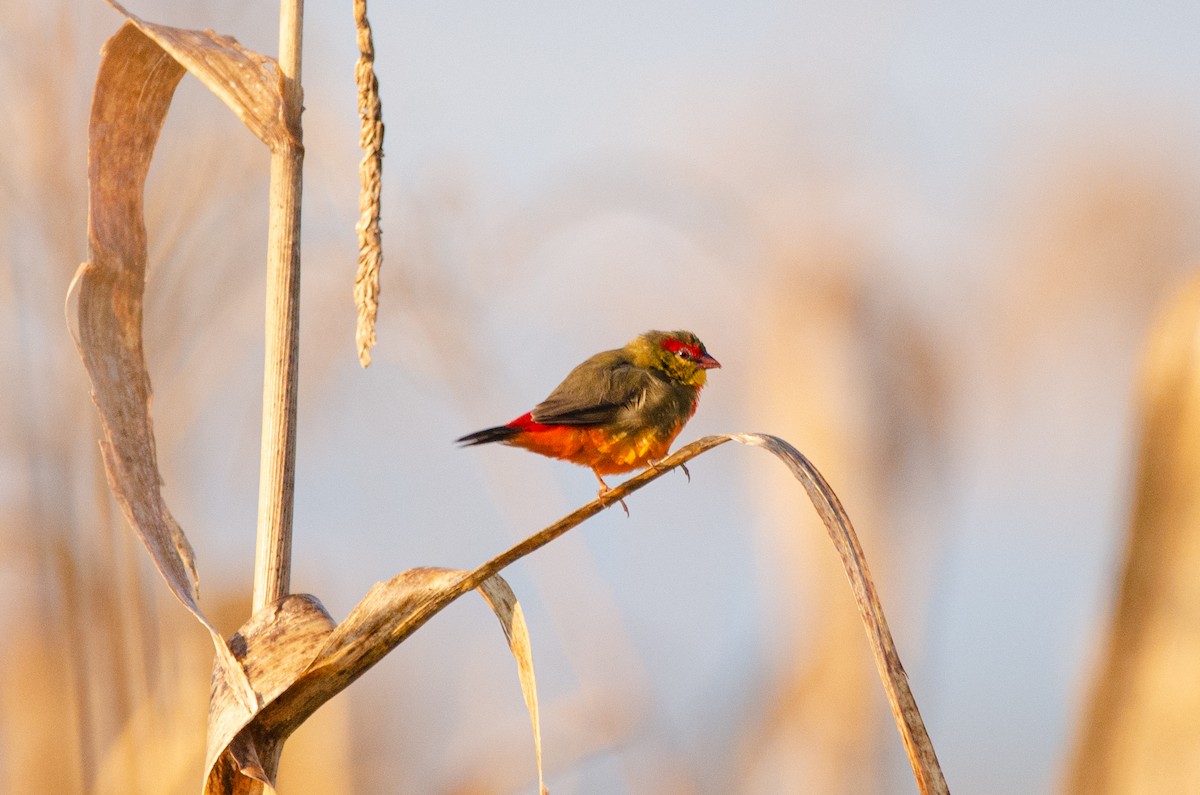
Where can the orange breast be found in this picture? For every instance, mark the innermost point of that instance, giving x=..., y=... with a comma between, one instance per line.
x=605, y=452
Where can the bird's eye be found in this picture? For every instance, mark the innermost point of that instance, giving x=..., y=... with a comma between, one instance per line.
x=684, y=353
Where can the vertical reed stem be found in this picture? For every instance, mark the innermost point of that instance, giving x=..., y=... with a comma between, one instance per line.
x=277, y=467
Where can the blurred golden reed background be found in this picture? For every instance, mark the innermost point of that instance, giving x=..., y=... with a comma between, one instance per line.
x=928, y=245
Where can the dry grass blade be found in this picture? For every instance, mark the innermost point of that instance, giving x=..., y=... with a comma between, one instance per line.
x=297, y=660
x=133, y=91
x=249, y=83
x=917, y=745
x=370, y=172
x=506, y=607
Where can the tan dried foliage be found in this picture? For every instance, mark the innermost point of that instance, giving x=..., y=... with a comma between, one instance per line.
x=291, y=648
x=1141, y=731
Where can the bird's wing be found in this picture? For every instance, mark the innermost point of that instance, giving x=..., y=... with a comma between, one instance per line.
x=595, y=392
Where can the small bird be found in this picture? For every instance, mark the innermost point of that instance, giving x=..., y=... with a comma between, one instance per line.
x=619, y=410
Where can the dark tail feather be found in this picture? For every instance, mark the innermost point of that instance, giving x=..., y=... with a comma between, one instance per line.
x=499, y=434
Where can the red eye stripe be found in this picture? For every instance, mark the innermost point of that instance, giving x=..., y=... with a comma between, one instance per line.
x=675, y=346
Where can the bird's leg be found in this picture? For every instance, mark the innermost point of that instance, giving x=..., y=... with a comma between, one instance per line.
x=604, y=489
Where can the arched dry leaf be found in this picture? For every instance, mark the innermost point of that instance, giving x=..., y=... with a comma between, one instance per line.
x=140, y=67
x=917, y=745
x=136, y=81
x=248, y=83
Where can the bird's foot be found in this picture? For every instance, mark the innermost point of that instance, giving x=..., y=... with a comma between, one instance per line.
x=654, y=465
x=604, y=489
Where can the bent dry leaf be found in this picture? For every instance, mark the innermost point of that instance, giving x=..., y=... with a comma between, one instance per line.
x=133, y=91
x=506, y=607
x=140, y=67
x=917, y=745
x=248, y=83
x=297, y=660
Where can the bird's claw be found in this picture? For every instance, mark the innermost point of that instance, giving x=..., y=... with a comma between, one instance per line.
x=604, y=489
x=654, y=466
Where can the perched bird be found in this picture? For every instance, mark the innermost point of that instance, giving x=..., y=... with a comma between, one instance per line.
x=619, y=410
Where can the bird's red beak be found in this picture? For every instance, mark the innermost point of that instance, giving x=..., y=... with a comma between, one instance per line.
x=706, y=362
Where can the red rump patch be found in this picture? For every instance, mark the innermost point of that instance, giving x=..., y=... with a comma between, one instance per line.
x=525, y=423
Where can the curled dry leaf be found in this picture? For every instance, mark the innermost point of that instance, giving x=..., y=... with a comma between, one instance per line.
x=274, y=647
x=133, y=91
x=297, y=660
x=140, y=67
x=250, y=84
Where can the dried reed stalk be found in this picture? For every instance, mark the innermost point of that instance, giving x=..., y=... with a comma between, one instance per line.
x=281, y=361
